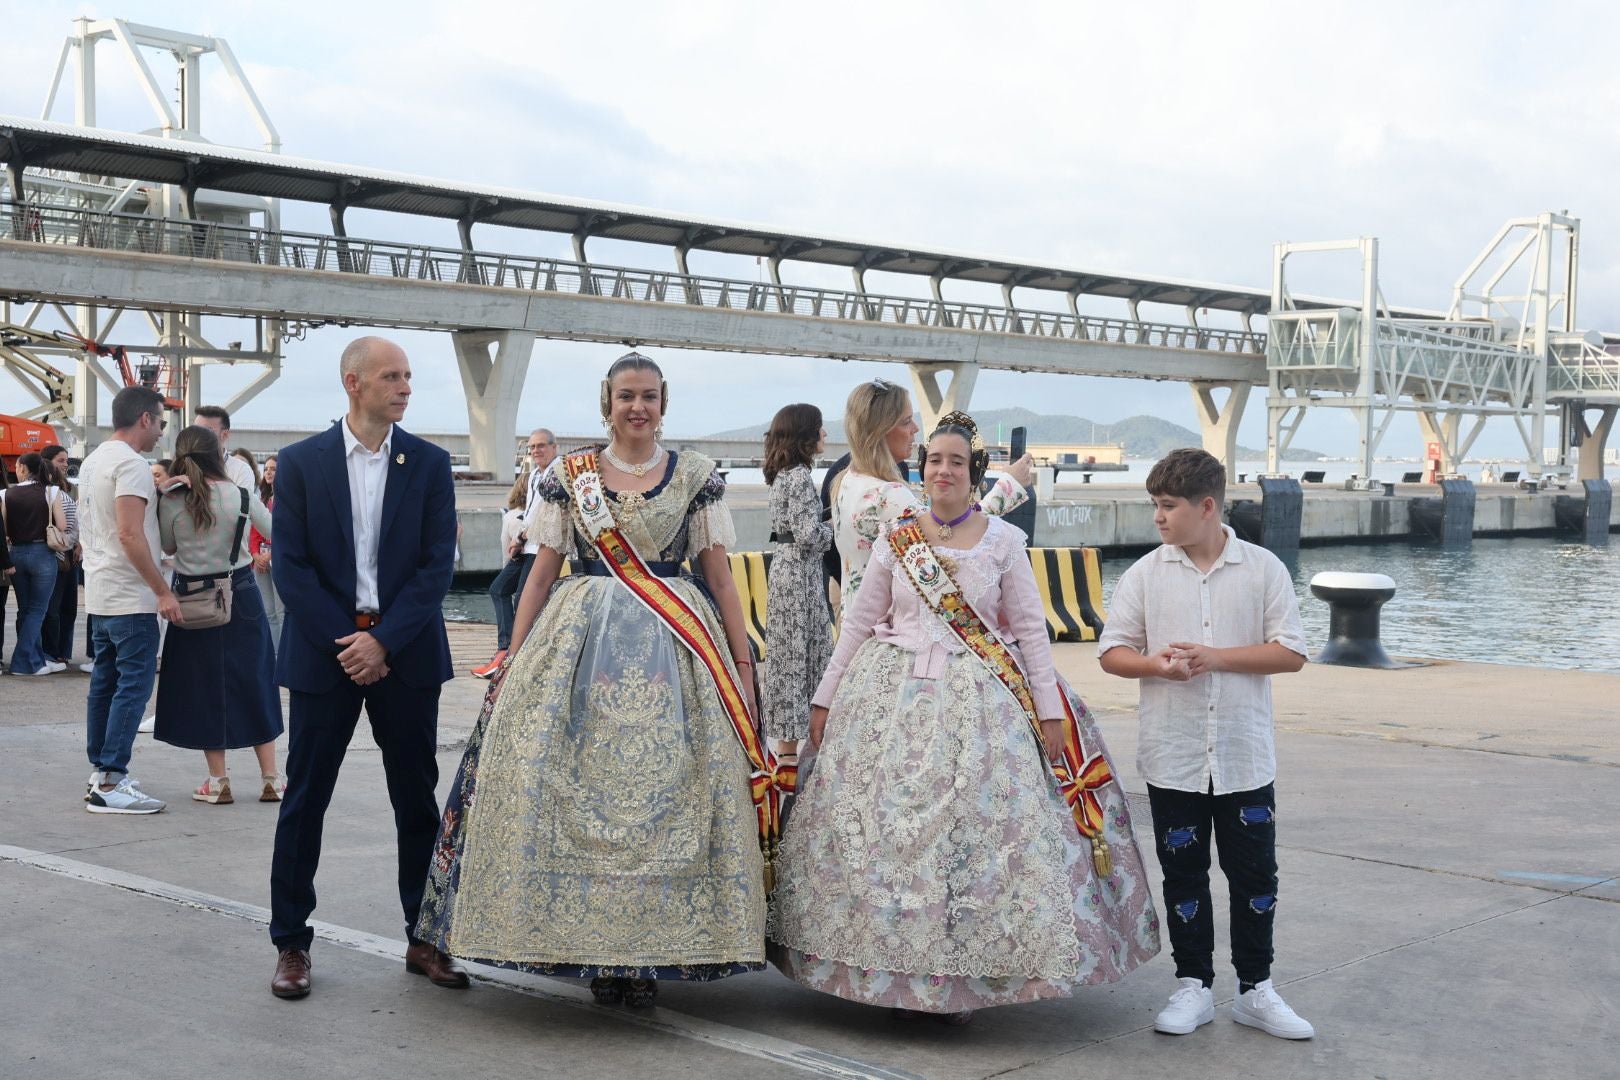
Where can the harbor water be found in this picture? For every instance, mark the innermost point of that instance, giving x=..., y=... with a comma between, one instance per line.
x=1534, y=601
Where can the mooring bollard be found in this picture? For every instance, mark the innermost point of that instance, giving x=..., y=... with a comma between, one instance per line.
x=1354, y=601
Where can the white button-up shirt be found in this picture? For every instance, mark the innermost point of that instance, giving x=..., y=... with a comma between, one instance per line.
x=1217, y=728
x=531, y=546
x=368, y=478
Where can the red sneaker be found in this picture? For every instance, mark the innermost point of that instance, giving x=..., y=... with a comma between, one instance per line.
x=488, y=670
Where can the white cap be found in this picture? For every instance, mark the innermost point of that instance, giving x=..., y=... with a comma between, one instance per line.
x=1339, y=579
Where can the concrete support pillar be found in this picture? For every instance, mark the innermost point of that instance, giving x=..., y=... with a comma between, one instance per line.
x=1594, y=438
x=935, y=402
x=494, y=365
x=1219, y=423
x=1441, y=428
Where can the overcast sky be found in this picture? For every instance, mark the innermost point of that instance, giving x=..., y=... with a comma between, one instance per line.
x=1165, y=140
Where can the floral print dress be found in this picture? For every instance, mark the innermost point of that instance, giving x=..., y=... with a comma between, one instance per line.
x=798, y=626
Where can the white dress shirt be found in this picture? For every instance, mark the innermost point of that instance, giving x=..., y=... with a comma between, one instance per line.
x=531, y=546
x=368, y=478
x=1216, y=728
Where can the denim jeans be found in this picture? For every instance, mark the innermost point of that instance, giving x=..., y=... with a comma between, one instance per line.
x=1244, y=828
x=272, y=607
x=120, y=686
x=56, y=633
x=503, y=592
x=34, y=581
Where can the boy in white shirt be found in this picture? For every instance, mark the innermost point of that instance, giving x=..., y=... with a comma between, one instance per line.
x=1203, y=621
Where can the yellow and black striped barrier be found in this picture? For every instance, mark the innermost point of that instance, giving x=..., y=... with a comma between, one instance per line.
x=748, y=570
x=1070, y=580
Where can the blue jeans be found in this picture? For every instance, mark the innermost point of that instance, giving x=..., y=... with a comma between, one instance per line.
x=125, y=650
x=503, y=592
x=34, y=581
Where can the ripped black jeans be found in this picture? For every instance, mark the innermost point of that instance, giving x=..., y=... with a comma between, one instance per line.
x=1245, y=833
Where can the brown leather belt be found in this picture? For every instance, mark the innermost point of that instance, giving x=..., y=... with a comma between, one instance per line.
x=365, y=620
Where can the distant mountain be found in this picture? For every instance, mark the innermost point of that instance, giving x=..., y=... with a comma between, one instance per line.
x=1144, y=437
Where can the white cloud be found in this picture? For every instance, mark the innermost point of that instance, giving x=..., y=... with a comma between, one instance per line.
x=1173, y=139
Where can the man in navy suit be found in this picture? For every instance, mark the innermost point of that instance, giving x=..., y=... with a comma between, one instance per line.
x=365, y=527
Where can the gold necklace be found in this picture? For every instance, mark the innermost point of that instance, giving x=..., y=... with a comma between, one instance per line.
x=634, y=470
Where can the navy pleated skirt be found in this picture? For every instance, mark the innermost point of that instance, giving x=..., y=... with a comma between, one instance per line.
x=217, y=690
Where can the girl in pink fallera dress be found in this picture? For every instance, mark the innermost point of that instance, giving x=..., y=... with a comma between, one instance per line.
x=930, y=863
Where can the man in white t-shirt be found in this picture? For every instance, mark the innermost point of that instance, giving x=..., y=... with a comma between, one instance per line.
x=125, y=592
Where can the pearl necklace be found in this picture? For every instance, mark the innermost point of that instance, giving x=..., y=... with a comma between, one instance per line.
x=633, y=470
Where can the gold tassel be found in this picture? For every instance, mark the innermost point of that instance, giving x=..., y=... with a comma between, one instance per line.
x=1101, y=858
x=770, y=866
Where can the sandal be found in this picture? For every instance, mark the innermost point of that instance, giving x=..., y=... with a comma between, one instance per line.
x=607, y=991
x=640, y=993
x=215, y=790
x=272, y=789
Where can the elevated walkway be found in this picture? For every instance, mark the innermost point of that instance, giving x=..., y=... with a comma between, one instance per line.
x=70, y=256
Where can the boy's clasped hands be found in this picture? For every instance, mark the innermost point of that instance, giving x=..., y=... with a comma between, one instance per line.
x=1183, y=660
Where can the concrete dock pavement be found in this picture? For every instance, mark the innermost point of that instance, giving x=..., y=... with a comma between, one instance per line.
x=1450, y=906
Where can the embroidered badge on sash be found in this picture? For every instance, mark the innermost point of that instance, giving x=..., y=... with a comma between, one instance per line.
x=591, y=504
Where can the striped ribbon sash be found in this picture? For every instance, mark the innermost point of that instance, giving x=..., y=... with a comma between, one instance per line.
x=1079, y=778
x=768, y=781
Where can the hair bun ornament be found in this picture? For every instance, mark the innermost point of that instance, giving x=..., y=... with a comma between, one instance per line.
x=960, y=419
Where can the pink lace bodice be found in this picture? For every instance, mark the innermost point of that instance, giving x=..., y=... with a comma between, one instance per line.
x=994, y=575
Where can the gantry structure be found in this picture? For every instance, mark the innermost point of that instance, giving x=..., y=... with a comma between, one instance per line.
x=98, y=226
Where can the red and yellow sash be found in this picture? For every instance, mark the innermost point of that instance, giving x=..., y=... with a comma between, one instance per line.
x=768, y=781
x=1079, y=778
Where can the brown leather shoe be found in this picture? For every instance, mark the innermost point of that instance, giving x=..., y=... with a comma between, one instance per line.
x=422, y=958
x=291, y=980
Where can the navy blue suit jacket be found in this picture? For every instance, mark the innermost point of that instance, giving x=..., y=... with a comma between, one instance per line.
x=313, y=560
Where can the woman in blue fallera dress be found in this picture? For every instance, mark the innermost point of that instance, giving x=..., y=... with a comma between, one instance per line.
x=601, y=824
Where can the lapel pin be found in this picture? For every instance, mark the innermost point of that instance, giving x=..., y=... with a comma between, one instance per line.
x=399, y=459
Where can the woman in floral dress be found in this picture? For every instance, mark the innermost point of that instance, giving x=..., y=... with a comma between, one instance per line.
x=931, y=864
x=798, y=627
x=870, y=493
x=601, y=824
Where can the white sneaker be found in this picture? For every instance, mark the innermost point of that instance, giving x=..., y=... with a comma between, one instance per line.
x=1262, y=1008
x=125, y=798
x=51, y=668
x=148, y=725
x=1190, y=1008
x=88, y=666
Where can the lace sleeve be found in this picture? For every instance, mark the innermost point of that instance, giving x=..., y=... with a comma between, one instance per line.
x=710, y=525
x=552, y=527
